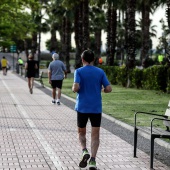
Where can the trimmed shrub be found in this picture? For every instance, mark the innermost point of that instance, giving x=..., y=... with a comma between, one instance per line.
x=122, y=76
x=136, y=78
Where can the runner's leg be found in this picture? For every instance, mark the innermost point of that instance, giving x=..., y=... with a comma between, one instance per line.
x=95, y=141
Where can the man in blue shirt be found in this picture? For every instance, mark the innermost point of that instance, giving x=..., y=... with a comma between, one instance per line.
x=56, y=73
x=89, y=81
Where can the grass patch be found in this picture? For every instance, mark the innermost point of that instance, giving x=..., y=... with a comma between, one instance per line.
x=121, y=103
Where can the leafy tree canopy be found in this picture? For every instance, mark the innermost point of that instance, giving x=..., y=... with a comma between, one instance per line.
x=15, y=20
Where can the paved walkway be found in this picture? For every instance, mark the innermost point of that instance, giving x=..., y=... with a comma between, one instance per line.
x=36, y=135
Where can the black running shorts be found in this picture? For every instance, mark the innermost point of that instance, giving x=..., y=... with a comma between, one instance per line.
x=56, y=83
x=82, y=119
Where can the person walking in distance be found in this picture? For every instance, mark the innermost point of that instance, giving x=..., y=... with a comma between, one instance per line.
x=56, y=73
x=20, y=63
x=31, y=67
x=89, y=81
x=4, y=64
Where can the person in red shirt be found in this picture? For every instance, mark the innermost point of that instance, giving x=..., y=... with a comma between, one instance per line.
x=100, y=61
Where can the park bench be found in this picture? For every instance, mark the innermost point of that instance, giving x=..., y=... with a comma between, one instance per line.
x=41, y=76
x=152, y=130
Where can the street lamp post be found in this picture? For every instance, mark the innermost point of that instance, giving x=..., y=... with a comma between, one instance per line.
x=13, y=50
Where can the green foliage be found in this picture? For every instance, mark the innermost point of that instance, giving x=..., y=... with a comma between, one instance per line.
x=111, y=72
x=59, y=44
x=70, y=4
x=155, y=78
x=122, y=102
x=16, y=23
x=122, y=76
x=47, y=63
x=136, y=78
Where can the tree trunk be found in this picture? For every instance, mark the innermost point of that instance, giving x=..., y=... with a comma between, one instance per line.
x=68, y=44
x=78, y=34
x=145, y=30
x=85, y=24
x=168, y=12
x=26, y=49
x=53, y=40
x=108, y=33
x=131, y=33
x=98, y=43
x=34, y=43
x=63, y=39
x=111, y=33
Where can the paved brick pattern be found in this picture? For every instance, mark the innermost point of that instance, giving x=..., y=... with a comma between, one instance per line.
x=36, y=135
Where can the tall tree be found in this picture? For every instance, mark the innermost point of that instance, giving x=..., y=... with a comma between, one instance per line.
x=168, y=13
x=97, y=24
x=67, y=30
x=111, y=31
x=146, y=7
x=15, y=22
x=131, y=25
x=81, y=26
x=78, y=34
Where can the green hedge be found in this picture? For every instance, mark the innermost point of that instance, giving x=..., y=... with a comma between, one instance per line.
x=153, y=78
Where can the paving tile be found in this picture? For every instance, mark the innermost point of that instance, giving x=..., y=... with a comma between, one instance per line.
x=36, y=135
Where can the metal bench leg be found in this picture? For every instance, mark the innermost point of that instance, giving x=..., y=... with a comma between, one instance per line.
x=152, y=151
x=135, y=141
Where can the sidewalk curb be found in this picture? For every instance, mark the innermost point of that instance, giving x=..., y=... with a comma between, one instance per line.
x=129, y=127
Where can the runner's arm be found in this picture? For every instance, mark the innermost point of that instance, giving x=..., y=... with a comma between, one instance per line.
x=75, y=87
x=107, y=89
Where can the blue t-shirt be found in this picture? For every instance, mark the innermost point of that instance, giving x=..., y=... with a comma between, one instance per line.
x=91, y=79
x=57, y=69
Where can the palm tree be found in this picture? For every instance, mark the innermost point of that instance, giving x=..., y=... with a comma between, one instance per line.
x=163, y=44
x=152, y=33
x=146, y=7
x=67, y=38
x=111, y=31
x=85, y=24
x=81, y=26
x=121, y=40
x=121, y=30
x=131, y=26
x=145, y=28
x=97, y=24
x=78, y=33
x=168, y=12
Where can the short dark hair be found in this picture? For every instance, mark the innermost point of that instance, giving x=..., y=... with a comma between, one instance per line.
x=88, y=56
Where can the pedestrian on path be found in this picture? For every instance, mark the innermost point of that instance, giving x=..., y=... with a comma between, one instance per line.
x=56, y=73
x=4, y=64
x=88, y=83
x=20, y=63
x=30, y=67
